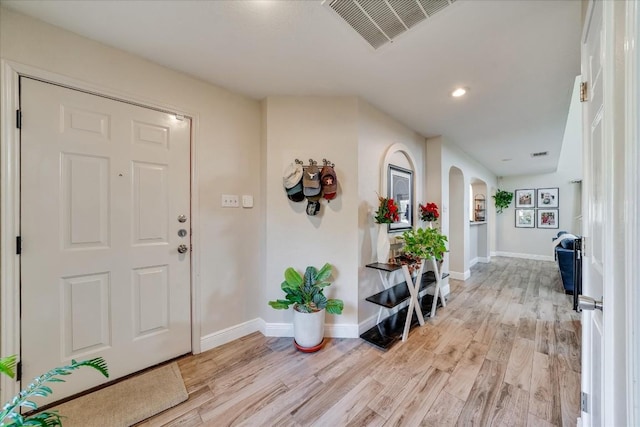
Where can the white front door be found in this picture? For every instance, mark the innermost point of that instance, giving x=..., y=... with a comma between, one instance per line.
x=103, y=183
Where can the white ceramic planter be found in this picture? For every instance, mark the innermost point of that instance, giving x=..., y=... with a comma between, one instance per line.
x=308, y=328
x=382, y=245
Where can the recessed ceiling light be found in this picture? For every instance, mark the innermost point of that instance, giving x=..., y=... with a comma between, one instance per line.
x=459, y=92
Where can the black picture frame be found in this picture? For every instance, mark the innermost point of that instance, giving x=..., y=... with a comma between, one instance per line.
x=400, y=189
x=525, y=198
x=548, y=198
x=525, y=218
x=548, y=218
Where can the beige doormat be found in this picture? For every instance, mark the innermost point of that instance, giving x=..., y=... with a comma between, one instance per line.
x=127, y=402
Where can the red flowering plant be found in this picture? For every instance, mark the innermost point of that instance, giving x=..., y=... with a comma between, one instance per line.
x=429, y=212
x=387, y=211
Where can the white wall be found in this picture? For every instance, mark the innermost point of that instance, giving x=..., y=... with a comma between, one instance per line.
x=536, y=242
x=376, y=132
x=227, y=144
x=303, y=128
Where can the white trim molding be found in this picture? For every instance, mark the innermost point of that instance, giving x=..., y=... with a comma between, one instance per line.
x=9, y=223
x=232, y=333
x=632, y=210
x=335, y=330
x=524, y=256
x=456, y=275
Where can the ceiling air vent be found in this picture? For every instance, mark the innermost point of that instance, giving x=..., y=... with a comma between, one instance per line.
x=540, y=154
x=381, y=21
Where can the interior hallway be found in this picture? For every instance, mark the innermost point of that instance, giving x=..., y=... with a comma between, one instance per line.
x=505, y=351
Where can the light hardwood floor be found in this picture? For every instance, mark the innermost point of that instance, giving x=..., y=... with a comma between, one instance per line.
x=505, y=352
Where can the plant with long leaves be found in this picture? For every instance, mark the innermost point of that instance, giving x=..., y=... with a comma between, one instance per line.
x=38, y=388
x=307, y=293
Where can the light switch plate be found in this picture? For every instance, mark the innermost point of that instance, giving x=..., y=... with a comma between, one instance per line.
x=230, y=201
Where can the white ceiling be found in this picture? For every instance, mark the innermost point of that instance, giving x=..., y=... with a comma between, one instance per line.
x=518, y=57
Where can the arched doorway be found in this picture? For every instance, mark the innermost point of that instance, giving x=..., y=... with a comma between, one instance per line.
x=458, y=225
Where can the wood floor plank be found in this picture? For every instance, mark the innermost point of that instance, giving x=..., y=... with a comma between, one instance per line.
x=527, y=328
x=347, y=409
x=545, y=337
x=567, y=345
x=569, y=391
x=488, y=328
x=520, y=364
x=360, y=365
x=419, y=400
x=394, y=393
x=479, y=406
x=501, y=344
x=444, y=412
x=512, y=315
x=505, y=351
x=451, y=349
x=463, y=376
x=540, y=397
x=511, y=407
x=533, y=421
x=243, y=404
x=280, y=410
x=367, y=417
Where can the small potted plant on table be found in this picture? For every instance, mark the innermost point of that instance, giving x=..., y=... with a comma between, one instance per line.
x=306, y=294
x=427, y=244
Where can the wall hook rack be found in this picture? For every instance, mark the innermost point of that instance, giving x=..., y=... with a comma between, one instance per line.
x=312, y=162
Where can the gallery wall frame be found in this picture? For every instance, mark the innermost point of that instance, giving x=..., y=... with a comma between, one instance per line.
x=547, y=198
x=547, y=218
x=525, y=198
x=525, y=218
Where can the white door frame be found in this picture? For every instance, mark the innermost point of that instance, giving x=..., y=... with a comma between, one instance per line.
x=632, y=208
x=10, y=72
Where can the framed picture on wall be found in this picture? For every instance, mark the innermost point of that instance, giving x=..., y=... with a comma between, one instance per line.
x=525, y=218
x=400, y=189
x=548, y=218
x=547, y=198
x=526, y=198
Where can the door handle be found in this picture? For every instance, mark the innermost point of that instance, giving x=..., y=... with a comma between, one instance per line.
x=182, y=249
x=588, y=303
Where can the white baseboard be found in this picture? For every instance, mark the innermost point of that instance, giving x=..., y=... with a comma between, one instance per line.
x=525, y=256
x=337, y=330
x=484, y=260
x=342, y=330
x=278, y=329
x=473, y=262
x=460, y=276
x=367, y=324
x=224, y=336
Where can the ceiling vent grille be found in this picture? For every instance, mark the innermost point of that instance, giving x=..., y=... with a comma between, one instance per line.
x=540, y=154
x=381, y=21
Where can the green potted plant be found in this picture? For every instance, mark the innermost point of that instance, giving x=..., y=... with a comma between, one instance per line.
x=425, y=243
x=502, y=199
x=306, y=294
x=11, y=416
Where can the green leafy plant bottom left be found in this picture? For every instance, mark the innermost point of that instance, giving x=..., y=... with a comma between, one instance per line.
x=10, y=415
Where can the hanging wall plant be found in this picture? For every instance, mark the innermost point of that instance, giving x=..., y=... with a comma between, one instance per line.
x=502, y=199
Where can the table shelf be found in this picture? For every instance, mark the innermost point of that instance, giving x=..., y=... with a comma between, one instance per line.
x=396, y=326
x=399, y=293
x=386, y=333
